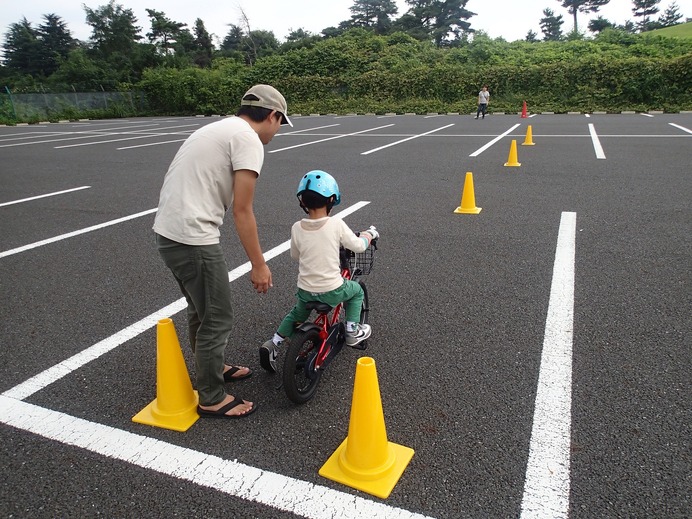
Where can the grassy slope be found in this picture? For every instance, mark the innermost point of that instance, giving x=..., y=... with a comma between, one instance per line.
x=683, y=30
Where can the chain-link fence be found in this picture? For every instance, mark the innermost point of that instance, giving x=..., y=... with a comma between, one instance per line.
x=43, y=106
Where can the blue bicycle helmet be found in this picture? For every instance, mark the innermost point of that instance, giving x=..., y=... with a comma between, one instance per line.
x=321, y=183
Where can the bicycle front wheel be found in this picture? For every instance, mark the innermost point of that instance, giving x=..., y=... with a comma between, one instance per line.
x=299, y=374
x=365, y=307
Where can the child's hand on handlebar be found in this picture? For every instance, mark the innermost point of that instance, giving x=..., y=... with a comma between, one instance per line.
x=372, y=231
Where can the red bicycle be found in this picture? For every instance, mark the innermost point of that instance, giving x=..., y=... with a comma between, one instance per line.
x=316, y=343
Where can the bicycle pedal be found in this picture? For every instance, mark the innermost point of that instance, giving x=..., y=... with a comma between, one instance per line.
x=360, y=346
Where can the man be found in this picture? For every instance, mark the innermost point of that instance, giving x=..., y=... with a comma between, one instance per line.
x=215, y=169
x=483, y=100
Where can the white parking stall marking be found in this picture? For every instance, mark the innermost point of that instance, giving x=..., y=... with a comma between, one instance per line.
x=150, y=144
x=306, y=130
x=44, y=196
x=596, y=142
x=407, y=139
x=149, y=135
x=58, y=371
x=547, y=483
x=499, y=137
x=85, y=134
x=30, y=135
x=680, y=127
x=74, y=233
x=231, y=477
x=331, y=138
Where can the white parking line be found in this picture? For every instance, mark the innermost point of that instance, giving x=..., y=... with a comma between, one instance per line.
x=331, y=138
x=499, y=137
x=274, y=490
x=404, y=140
x=547, y=483
x=44, y=196
x=681, y=127
x=150, y=134
x=149, y=144
x=306, y=130
x=89, y=134
x=596, y=142
x=73, y=233
x=56, y=372
x=231, y=477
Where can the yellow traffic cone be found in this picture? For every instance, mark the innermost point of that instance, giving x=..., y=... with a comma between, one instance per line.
x=175, y=406
x=365, y=460
x=468, y=197
x=528, y=141
x=512, y=159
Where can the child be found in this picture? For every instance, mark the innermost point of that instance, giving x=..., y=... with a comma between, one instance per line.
x=315, y=242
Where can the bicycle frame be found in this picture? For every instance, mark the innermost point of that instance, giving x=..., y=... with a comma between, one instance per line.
x=316, y=342
x=328, y=325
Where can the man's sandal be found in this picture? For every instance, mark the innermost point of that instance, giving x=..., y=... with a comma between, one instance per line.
x=221, y=412
x=228, y=375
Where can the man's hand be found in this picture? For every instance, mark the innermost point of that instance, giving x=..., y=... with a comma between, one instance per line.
x=261, y=278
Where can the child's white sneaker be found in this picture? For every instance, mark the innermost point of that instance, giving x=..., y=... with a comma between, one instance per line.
x=358, y=335
x=268, y=353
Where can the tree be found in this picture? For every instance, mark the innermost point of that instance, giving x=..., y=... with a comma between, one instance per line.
x=599, y=25
x=79, y=71
x=56, y=42
x=584, y=6
x=113, y=29
x=164, y=31
x=531, y=37
x=645, y=9
x=373, y=14
x=551, y=25
x=22, y=49
x=299, y=38
x=115, y=44
x=440, y=18
x=204, y=47
x=671, y=16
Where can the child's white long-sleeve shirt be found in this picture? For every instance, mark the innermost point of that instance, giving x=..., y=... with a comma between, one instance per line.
x=315, y=244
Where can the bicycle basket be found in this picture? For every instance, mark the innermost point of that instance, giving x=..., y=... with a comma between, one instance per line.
x=361, y=262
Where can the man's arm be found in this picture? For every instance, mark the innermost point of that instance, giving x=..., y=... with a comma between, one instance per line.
x=244, y=182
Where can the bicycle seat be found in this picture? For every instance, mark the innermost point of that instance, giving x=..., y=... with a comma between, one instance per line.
x=322, y=308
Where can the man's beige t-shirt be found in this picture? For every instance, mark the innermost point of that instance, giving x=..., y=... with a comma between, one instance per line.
x=198, y=187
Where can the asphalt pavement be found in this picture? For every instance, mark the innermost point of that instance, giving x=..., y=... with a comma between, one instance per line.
x=536, y=356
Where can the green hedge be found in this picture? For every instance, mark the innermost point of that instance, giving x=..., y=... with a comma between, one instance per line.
x=591, y=84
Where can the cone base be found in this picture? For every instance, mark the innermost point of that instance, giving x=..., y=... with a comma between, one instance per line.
x=512, y=164
x=528, y=143
x=468, y=210
x=180, y=421
x=380, y=487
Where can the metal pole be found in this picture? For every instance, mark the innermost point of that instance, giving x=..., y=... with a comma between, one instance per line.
x=11, y=101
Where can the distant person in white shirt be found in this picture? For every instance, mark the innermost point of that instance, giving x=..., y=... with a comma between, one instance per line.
x=315, y=243
x=483, y=100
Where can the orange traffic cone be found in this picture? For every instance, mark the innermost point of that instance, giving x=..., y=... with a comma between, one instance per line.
x=365, y=460
x=528, y=141
x=175, y=405
x=468, y=197
x=524, y=115
x=512, y=159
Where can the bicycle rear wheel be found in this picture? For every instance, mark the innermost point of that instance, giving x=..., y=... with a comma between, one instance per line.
x=299, y=373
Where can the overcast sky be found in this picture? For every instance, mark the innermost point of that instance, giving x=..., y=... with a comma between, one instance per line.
x=510, y=19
